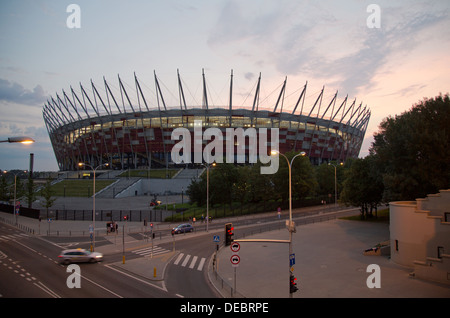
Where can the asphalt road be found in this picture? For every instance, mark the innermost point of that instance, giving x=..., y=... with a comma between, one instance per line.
x=29, y=266
x=29, y=269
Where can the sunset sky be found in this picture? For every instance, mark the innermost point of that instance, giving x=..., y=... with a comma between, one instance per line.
x=327, y=43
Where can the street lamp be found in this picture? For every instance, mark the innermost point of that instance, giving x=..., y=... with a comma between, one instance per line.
x=291, y=227
x=23, y=140
x=207, y=165
x=335, y=181
x=81, y=164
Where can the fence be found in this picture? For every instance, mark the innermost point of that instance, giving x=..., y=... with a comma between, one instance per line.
x=106, y=215
x=24, y=211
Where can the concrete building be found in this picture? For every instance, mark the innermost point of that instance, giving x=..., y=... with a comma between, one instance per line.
x=420, y=236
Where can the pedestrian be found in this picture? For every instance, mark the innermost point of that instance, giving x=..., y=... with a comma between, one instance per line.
x=279, y=212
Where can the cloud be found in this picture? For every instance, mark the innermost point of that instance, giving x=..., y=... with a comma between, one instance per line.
x=326, y=40
x=16, y=93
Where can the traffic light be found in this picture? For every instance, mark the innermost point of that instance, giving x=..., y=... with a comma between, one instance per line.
x=292, y=284
x=228, y=233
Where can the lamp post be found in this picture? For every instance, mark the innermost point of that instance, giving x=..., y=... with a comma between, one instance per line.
x=335, y=181
x=290, y=227
x=207, y=192
x=81, y=164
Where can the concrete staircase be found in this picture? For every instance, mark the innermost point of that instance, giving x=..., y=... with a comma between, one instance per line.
x=436, y=209
x=115, y=188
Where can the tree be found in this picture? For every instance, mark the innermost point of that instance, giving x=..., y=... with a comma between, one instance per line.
x=30, y=194
x=413, y=152
x=325, y=178
x=363, y=186
x=197, y=190
x=4, y=191
x=222, y=179
x=47, y=193
x=304, y=181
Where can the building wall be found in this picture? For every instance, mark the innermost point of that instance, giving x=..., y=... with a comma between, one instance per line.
x=420, y=235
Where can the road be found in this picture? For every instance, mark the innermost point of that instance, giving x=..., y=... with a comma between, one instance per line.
x=29, y=269
x=29, y=266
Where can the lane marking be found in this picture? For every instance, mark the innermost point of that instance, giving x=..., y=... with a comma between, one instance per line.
x=186, y=260
x=138, y=279
x=202, y=262
x=194, y=260
x=178, y=258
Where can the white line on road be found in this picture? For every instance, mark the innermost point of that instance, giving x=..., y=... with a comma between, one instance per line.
x=194, y=260
x=202, y=262
x=186, y=260
x=47, y=290
x=178, y=258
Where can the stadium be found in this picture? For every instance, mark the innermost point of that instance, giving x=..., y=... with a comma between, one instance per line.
x=124, y=128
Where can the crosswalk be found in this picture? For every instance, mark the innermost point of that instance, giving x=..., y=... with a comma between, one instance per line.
x=190, y=261
x=147, y=251
x=12, y=237
x=183, y=260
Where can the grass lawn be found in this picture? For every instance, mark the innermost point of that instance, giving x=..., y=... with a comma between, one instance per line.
x=78, y=188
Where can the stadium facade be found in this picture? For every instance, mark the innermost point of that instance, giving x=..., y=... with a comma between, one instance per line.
x=96, y=126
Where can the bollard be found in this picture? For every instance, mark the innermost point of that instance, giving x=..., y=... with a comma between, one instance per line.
x=154, y=271
x=123, y=259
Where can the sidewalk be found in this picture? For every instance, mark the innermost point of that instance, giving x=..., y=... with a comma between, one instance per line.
x=329, y=263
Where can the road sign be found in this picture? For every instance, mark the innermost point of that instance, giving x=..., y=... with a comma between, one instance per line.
x=235, y=259
x=216, y=238
x=291, y=260
x=235, y=247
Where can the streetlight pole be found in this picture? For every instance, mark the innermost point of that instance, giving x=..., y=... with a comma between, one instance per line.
x=93, y=207
x=290, y=227
x=335, y=182
x=207, y=193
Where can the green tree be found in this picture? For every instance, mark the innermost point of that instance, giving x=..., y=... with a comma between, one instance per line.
x=325, y=178
x=363, y=186
x=30, y=193
x=261, y=187
x=222, y=179
x=413, y=152
x=4, y=190
x=197, y=190
x=47, y=194
x=304, y=181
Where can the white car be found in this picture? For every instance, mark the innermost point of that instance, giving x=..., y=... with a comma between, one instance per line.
x=79, y=256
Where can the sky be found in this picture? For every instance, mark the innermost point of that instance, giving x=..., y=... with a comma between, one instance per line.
x=388, y=57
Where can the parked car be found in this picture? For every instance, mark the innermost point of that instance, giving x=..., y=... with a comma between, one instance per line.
x=79, y=255
x=182, y=228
